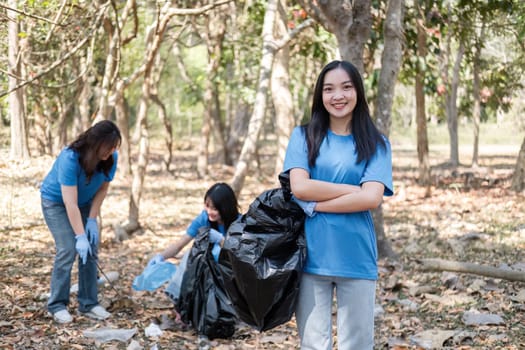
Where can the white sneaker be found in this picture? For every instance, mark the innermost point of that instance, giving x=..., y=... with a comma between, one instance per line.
x=97, y=313
x=62, y=316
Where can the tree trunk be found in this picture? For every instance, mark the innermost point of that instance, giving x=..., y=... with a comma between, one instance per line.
x=256, y=120
x=452, y=117
x=349, y=21
x=390, y=63
x=518, y=178
x=161, y=111
x=84, y=109
x=113, y=57
x=476, y=111
x=213, y=36
x=421, y=118
x=122, y=120
x=281, y=95
x=19, y=146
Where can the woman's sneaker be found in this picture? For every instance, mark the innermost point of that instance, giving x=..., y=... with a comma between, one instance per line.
x=62, y=316
x=97, y=313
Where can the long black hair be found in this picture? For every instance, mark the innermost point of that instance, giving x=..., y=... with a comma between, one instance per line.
x=364, y=131
x=102, y=134
x=224, y=200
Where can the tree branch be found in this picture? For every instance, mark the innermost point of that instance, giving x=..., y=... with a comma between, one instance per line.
x=58, y=62
x=483, y=270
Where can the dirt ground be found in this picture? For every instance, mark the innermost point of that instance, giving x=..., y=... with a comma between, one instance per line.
x=471, y=216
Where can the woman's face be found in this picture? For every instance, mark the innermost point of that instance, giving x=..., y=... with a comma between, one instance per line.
x=339, y=94
x=105, y=151
x=213, y=213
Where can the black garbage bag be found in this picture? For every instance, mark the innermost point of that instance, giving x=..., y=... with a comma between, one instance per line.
x=262, y=260
x=203, y=302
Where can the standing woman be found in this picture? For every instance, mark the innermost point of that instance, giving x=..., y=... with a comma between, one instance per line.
x=341, y=166
x=72, y=194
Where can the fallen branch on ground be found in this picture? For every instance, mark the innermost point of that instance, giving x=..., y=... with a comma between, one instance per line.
x=483, y=270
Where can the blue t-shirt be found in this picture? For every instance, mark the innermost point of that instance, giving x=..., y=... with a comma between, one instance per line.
x=200, y=221
x=341, y=244
x=67, y=171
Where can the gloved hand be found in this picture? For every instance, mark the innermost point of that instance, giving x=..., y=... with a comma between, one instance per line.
x=155, y=260
x=83, y=247
x=216, y=251
x=92, y=231
x=308, y=207
x=215, y=236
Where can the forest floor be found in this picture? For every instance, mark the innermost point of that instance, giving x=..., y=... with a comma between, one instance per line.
x=471, y=216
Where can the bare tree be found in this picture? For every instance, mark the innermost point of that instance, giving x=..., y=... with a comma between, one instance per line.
x=155, y=37
x=269, y=48
x=213, y=35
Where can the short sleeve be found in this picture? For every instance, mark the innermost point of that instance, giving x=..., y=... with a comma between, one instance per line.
x=379, y=168
x=68, y=168
x=200, y=221
x=296, y=152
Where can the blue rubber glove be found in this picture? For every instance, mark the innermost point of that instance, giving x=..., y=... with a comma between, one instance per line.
x=308, y=207
x=155, y=260
x=215, y=236
x=92, y=231
x=83, y=247
x=216, y=251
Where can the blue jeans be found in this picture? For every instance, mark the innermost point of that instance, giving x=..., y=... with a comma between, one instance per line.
x=57, y=221
x=355, y=312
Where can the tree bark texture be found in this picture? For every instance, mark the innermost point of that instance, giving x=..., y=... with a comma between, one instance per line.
x=349, y=21
x=421, y=117
x=281, y=94
x=390, y=63
x=19, y=146
x=452, y=117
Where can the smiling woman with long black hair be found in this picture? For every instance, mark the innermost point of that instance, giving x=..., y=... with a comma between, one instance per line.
x=340, y=168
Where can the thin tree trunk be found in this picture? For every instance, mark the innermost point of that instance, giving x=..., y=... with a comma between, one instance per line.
x=421, y=118
x=19, y=145
x=122, y=120
x=452, y=117
x=213, y=36
x=390, y=63
x=476, y=111
x=518, y=178
x=281, y=95
x=161, y=111
x=256, y=120
x=84, y=97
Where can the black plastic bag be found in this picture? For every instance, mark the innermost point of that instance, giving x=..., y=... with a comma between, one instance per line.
x=203, y=302
x=262, y=259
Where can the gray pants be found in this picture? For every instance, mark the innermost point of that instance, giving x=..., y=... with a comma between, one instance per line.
x=355, y=312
